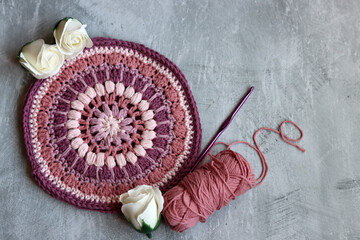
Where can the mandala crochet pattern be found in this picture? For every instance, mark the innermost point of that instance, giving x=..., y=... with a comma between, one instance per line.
x=116, y=116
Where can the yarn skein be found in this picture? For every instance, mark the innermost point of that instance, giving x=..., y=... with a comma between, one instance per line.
x=215, y=184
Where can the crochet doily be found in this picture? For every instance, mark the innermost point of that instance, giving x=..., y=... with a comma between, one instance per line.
x=116, y=116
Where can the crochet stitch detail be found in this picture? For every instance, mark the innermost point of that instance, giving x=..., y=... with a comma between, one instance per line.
x=117, y=116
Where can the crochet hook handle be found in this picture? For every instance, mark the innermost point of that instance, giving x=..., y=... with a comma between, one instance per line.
x=225, y=124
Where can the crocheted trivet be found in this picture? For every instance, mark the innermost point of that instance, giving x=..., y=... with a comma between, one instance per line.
x=116, y=116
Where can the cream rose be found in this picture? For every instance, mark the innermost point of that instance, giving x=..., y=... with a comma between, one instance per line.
x=40, y=59
x=71, y=37
x=142, y=207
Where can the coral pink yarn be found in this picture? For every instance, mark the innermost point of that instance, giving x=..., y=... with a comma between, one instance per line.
x=215, y=184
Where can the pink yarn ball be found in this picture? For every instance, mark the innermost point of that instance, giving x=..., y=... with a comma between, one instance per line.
x=216, y=183
x=207, y=189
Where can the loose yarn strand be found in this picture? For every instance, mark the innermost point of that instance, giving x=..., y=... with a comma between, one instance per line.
x=284, y=137
x=213, y=185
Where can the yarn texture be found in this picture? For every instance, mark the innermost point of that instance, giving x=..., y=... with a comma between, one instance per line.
x=213, y=185
x=117, y=116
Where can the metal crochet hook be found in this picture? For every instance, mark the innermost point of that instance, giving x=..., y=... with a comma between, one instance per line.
x=225, y=124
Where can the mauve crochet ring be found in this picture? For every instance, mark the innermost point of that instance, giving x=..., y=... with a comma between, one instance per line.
x=117, y=116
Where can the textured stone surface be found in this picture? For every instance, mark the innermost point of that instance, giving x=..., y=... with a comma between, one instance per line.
x=301, y=56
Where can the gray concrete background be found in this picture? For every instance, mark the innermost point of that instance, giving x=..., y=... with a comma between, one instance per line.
x=301, y=56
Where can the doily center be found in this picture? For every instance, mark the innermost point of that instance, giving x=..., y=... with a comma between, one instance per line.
x=111, y=126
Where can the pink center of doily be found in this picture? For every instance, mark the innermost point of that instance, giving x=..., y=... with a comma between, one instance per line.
x=110, y=124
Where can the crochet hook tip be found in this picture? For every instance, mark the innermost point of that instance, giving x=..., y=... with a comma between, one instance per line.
x=222, y=128
x=240, y=104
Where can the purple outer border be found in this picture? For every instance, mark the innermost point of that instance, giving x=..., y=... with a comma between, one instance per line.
x=45, y=184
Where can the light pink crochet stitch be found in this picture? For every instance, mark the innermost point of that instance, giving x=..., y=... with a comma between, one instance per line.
x=117, y=116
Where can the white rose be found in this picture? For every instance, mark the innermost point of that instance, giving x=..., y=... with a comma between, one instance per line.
x=71, y=37
x=142, y=207
x=40, y=59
